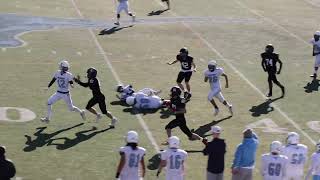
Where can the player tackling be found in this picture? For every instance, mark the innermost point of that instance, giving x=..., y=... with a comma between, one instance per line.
x=64, y=79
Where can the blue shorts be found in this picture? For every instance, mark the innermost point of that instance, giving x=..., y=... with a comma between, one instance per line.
x=315, y=177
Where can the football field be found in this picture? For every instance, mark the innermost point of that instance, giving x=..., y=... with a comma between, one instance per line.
x=35, y=35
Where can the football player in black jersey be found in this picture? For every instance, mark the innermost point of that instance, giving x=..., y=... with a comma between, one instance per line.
x=269, y=64
x=98, y=96
x=178, y=107
x=185, y=73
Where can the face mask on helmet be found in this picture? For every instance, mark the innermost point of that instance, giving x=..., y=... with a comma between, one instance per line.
x=211, y=67
x=92, y=73
x=269, y=48
x=119, y=88
x=275, y=147
x=64, y=66
x=184, y=51
x=175, y=92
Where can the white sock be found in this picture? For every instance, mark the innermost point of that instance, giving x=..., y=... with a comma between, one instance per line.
x=76, y=109
x=49, y=113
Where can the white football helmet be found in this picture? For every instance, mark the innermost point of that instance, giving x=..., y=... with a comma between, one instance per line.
x=275, y=147
x=212, y=65
x=318, y=147
x=130, y=100
x=293, y=138
x=64, y=65
x=174, y=142
x=317, y=33
x=132, y=137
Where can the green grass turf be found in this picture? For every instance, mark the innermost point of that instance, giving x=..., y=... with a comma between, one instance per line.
x=139, y=55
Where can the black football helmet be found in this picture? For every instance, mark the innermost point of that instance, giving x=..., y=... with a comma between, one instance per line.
x=92, y=72
x=184, y=50
x=175, y=91
x=269, y=48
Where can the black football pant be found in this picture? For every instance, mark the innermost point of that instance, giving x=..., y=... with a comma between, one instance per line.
x=272, y=78
x=182, y=124
x=98, y=100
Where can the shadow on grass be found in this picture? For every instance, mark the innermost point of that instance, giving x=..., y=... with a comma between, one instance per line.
x=158, y=12
x=263, y=108
x=113, y=30
x=202, y=130
x=154, y=162
x=312, y=86
x=43, y=138
x=81, y=136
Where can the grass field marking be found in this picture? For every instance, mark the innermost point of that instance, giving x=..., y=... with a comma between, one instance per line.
x=210, y=46
x=25, y=114
x=272, y=22
x=314, y=125
x=115, y=75
x=267, y=125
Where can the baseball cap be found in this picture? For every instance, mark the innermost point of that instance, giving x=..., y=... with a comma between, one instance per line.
x=216, y=129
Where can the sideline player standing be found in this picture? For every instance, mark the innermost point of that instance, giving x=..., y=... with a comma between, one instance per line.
x=269, y=64
x=212, y=74
x=123, y=5
x=63, y=78
x=316, y=52
x=132, y=156
x=273, y=165
x=185, y=73
x=178, y=106
x=314, y=169
x=98, y=97
x=173, y=159
x=297, y=155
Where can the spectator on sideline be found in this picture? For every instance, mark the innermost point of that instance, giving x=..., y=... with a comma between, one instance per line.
x=244, y=158
x=216, y=150
x=7, y=169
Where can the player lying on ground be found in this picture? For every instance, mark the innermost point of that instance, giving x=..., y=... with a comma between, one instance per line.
x=126, y=91
x=64, y=79
x=132, y=159
x=98, y=97
x=141, y=101
x=212, y=74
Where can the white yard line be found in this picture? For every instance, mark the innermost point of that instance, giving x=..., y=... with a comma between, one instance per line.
x=210, y=46
x=117, y=78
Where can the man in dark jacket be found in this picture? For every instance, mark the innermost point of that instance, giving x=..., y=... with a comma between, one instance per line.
x=216, y=150
x=7, y=169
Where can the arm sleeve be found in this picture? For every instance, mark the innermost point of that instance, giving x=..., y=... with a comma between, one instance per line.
x=205, y=151
x=82, y=83
x=237, y=157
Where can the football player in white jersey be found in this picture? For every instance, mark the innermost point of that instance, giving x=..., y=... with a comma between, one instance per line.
x=64, y=79
x=314, y=169
x=297, y=155
x=212, y=74
x=142, y=101
x=123, y=6
x=273, y=165
x=132, y=159
x=316, y=52
x=173, y=159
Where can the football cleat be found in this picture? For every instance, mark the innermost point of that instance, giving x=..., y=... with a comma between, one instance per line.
x=117, y=23
x=45, y=119
x=99, y=116
x=231, y=110
x=215, y=111
x=113, y=122
x=83, y=115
